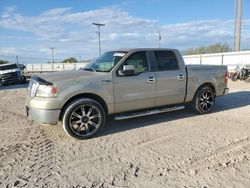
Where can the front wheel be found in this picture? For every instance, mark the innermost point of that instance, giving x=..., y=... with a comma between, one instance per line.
x=23, y=81
x=204, y=100
x=83, y=118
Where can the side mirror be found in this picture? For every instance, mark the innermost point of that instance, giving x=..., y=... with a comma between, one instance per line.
x=128, y=70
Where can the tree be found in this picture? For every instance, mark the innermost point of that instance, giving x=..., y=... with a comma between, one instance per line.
x=70, y=60
x=3, y=61
x=214, y=48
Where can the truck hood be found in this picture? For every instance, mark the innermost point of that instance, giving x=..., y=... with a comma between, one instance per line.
x=66, y=75
x=8, y=71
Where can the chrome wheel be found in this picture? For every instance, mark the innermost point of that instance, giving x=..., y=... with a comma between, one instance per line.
x=206, y=101
x=85, y=120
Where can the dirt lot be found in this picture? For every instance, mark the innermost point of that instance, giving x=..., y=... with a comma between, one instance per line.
x=178, y=149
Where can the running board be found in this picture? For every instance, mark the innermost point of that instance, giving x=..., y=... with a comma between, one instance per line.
x=146, y=113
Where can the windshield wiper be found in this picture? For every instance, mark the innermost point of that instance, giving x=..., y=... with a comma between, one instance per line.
x=89, y=69
x=101, y=71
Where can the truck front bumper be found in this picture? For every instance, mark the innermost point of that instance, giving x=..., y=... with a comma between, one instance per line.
x=43, y=116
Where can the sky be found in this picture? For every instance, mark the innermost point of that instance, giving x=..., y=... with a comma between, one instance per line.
x=29, y=28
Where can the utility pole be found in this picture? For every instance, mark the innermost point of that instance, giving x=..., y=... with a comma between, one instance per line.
x=237, y=26
x=16, y=59
x=159, y=39
x=52, y=54
x=235, y=22
x=99, y=25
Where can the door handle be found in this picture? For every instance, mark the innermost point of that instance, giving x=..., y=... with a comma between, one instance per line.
x=105, y=81
x=151, y=79
x=180, y=77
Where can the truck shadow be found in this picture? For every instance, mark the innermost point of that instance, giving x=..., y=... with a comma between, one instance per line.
x=231, y=101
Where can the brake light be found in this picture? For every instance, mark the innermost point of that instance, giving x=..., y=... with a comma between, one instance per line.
x=54, y=90
x=226, y=76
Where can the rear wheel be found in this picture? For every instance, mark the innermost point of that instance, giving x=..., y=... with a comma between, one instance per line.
x=83, y=118
x=204, y=100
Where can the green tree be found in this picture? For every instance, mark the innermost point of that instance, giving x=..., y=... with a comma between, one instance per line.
x=3, y=61
x=70, y=60
x=214, y=48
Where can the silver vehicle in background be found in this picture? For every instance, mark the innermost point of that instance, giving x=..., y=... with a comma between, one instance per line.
x=11, y=73
x=124, y=83
x=241, y=73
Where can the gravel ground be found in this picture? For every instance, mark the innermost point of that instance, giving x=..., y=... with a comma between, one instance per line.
x=177, y=149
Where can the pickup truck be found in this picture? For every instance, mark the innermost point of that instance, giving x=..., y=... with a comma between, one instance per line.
x=11, y=73
x=123, y=83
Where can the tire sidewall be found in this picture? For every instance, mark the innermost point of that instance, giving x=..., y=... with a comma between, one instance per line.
x=23, y=81
x=196, y=105
x=71, y=107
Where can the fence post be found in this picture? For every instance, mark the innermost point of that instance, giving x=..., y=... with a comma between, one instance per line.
x=200, y=59
x=222, y=59
x=75, y=66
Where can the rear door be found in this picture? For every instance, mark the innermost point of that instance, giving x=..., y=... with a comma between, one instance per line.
x=170, y=78
x=136, y=91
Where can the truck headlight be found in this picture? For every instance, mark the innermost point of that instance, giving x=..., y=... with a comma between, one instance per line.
x=46, y=91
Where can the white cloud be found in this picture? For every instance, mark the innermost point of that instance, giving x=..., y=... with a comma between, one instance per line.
x=56, y=11
x=8, y=50
x=73, y=34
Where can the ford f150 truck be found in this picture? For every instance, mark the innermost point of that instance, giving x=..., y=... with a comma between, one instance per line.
x=10, y=73
x=124, y=83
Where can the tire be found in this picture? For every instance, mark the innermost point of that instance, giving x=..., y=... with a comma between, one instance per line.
x=23, y=81
x=203, y=101
x=234, y=77
x=83, y=118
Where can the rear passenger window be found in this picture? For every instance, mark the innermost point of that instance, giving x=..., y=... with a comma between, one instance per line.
x=166, y=60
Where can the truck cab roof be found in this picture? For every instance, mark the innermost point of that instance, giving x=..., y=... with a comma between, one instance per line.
x=146, y=49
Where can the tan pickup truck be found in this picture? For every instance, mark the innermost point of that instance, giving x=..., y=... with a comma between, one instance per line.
x=123, y=83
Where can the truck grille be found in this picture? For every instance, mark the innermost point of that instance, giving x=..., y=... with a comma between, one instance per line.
x=11, y=77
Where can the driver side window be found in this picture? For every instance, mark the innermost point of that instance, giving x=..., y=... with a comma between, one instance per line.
x=139, y=61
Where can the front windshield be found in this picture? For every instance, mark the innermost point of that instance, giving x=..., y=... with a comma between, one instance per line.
x=105, y=62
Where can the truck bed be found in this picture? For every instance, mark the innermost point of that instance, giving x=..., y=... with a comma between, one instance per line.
x=202, y=74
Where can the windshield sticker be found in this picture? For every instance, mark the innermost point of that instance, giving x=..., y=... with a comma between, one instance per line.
x=119, y=54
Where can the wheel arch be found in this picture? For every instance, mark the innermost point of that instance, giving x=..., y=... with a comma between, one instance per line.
x=208, y=84
x=84, y=95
